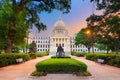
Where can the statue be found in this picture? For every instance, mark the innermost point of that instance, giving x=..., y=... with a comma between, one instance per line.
x=60, y=51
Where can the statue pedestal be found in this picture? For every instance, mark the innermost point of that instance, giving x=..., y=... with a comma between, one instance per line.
x=60, y=54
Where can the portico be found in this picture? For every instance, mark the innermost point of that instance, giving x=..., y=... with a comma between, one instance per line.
x=59, y=36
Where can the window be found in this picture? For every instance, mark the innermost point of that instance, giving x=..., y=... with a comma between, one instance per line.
x=53, y=39
x=63, y=39
x=81, y=50
x=56, y=45
x=95, y=50
x=59, y=39
x=62, y=45
x=56, y=39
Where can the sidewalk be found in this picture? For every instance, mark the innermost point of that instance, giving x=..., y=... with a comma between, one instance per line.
x=22, y=71
x=101, y=71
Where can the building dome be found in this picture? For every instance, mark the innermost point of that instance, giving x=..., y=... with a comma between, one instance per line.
x=59, y=25
x=59, y=28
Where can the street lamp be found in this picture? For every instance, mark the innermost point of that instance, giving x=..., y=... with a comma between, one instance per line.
x=90, y=34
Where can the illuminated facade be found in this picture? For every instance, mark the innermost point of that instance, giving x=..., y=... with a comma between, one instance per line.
x=59, y=36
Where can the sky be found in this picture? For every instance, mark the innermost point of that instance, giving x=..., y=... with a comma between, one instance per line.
x=75, y=20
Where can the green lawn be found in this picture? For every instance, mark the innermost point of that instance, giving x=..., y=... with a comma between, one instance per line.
x=61, y=65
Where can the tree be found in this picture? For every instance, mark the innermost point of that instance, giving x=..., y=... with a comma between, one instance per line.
x=20, y=15
x=107, y=25
x=33, y=47
x=100, y=46
x=83, y=38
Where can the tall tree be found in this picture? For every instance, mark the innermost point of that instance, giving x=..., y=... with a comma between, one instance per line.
x=23, y=14
x=33, y=47
x=107, y=25
x=84, y=38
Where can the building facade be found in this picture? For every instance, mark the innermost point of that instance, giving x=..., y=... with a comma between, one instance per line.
x=59, y=36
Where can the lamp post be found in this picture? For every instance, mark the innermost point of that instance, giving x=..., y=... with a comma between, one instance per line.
x=90, y=34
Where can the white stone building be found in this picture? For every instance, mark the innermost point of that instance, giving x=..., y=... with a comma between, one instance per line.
x=59, y=36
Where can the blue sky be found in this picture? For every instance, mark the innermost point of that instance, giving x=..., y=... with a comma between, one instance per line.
x=75, y=20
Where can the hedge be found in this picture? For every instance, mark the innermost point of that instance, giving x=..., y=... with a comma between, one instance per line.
x=40, y=54
x=61, y=65
x=79, y=54
x=66, y=56
x=111, y=59
x=33, y=56
x=8, y=59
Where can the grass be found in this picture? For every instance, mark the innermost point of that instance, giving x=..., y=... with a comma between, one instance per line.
x=61, y=65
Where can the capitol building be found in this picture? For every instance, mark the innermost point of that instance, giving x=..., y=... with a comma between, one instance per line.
x=59, y=36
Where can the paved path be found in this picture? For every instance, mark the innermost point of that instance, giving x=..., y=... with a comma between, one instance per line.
x=23, y=70
x=101, y=71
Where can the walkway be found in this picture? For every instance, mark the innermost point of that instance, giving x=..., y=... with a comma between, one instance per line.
x=23, y=70
x=101, y=71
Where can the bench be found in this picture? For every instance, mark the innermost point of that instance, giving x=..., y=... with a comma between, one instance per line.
x=19, y=60
x=100, y=60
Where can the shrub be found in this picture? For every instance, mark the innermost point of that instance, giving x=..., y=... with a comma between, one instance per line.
x=8, y=59
x=79, y=54
x=66, y=56
x=32, y=56
x=111, y=59
x=61, y=65
x=25, y=57
x=40, y=54
x=115, y=62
